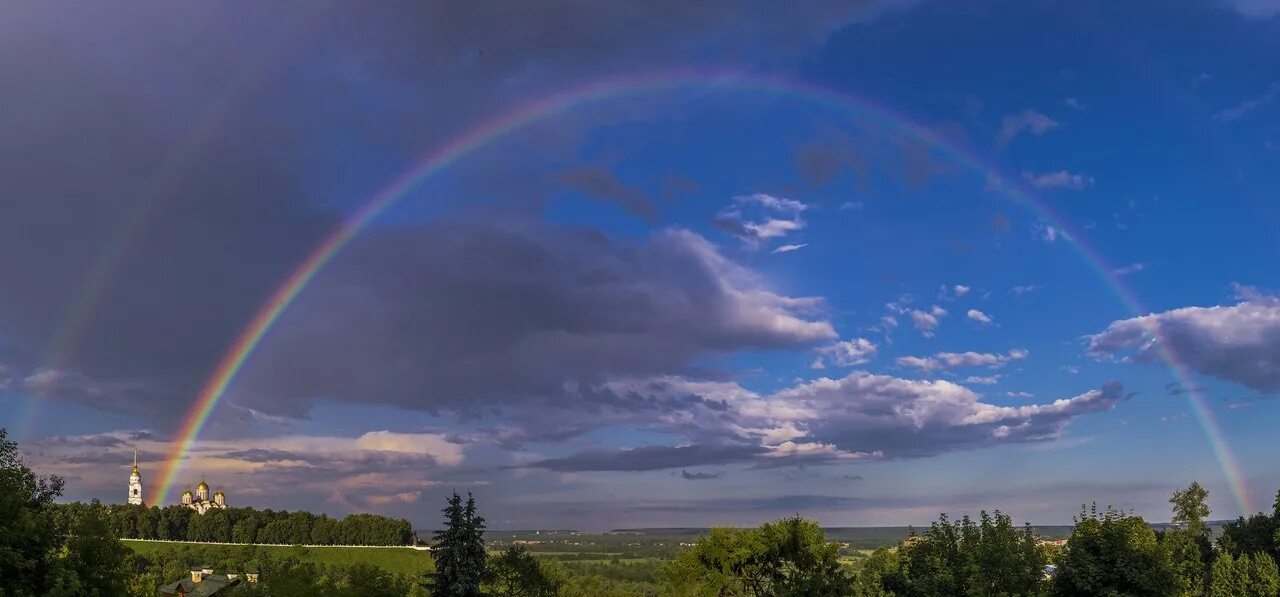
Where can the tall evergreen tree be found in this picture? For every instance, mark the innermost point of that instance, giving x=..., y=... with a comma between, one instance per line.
x=459, y=550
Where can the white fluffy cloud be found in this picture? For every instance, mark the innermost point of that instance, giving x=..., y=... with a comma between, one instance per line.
x=789, y=248
x=1239, y=343
x=849, y=353
x=1029, y=121
x=927, y=321
x=956, y=360
x=978, y=316
x=1047, y=232
x=1132, y=268
x=859, y=416
x=1058, y=180
x=760, y=217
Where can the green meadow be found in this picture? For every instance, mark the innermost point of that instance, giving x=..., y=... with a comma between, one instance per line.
x=399, y=560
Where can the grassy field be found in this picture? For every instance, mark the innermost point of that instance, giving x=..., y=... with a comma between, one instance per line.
x=403, y=561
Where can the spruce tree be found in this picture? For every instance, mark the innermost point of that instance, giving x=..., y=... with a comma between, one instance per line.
x=458, y=550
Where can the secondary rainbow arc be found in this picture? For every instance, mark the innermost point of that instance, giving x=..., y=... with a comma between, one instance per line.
x=558, y=103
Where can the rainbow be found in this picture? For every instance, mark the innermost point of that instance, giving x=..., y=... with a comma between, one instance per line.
x=613, y=87
x=87, y=299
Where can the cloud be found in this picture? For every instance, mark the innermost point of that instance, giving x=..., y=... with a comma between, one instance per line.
x=978, y=316
x=849, y=353
x=956, y=360
x=982, y=380
x=1020, y=394
x=760, y=217
x=1238, y=343
x=1132, y=268
x=1073, y=103
x=1025, y=289
x=367, y=467
x=1176, y=388
x=237, y=146
x=858, y=417
x=1244, y=108
x=950, y=293
x=688, y=476
x=1047, y=233
x=480, y=318
x=1058, y=180
x=1026, y=121
x=865, y=413
x=603, y=184
x=926, y=322
x=1260, y=9
x=651, y=458
x=789, y=248
x=851, y=206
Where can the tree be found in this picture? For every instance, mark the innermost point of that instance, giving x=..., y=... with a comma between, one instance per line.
x=1190, y=508
x=324, y=531
x=245, y=530
x=93, y=561
x=28, y=528
x=880, y=576
x=989, y=557
x=459, y=550
x=787, y=557
x=515, y=573
x=1113, y=554
x=1264, y=576
x=1188, y=540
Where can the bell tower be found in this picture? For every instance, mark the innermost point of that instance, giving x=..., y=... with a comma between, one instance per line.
x=135, y=482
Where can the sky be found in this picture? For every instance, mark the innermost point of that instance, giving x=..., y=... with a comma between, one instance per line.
x=646, y=264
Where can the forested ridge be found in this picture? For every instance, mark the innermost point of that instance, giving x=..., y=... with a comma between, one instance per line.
x=247, y=525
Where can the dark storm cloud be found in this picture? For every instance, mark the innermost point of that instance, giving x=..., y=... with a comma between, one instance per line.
x=233, y=121
x=650, y=458
x=688, y=476
x=466, y=316
x=785, y=503
x=601, y=183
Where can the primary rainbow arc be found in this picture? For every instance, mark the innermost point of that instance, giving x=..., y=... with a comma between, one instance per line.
x=558, y=103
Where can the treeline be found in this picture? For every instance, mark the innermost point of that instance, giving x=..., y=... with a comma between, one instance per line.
x=1109, y=552
x=247, y=525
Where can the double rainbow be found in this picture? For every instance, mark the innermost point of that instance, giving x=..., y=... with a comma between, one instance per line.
x=613, y=87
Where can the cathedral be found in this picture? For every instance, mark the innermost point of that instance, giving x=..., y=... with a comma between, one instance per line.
x=199, y=501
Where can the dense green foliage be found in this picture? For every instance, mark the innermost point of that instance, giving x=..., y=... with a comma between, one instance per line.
x=1113, y=553
x=989, y=557
x=515, y=573
x=789, y=557
x=459, y=550
x=44, y=554
x=247, y=525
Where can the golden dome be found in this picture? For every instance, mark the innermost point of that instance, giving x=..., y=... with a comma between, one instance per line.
x=202, y=486
x=187, y=492
x=219, y=492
